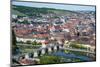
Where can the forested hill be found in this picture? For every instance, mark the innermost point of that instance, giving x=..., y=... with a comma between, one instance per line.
x=30, y=11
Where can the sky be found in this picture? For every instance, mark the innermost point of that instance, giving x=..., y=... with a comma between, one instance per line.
x=56, y=6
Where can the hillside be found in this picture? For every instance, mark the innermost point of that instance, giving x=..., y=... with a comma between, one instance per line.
x=17, y=13
x=30, y=11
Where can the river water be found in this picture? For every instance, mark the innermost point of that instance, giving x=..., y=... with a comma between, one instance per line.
x=70, y=56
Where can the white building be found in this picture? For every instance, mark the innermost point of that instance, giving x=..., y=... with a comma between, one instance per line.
x=29, y=39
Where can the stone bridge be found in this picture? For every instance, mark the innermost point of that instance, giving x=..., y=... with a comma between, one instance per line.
x=54, y=48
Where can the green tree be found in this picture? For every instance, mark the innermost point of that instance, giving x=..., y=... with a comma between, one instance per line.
x=28, y=42
x=49, y=59
x=14, y=46
x=75, y=45
x=36, y=43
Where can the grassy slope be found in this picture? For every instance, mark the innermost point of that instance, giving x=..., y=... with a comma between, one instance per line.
x=18, y=13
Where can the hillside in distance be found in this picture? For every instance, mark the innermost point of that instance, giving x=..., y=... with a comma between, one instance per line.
x=30, y=11
x=17, y=13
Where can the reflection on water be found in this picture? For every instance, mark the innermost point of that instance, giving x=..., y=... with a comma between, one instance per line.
x=64, y=57
x=71, y=55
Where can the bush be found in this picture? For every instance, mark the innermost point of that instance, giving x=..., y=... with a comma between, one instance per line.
x=36, y=43
x=75, y=45
x=49, y=59
x=28, y=42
